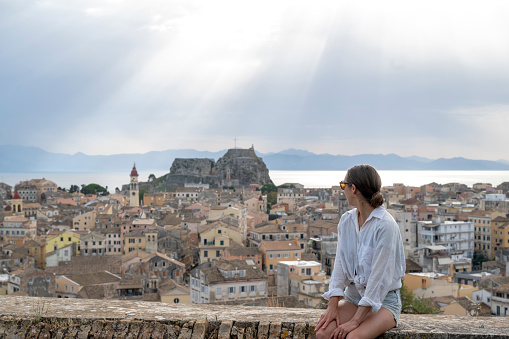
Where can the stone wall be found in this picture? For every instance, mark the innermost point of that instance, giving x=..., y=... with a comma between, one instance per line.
x=27, y=317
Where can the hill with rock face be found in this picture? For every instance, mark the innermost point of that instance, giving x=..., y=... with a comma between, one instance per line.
x=238, y=168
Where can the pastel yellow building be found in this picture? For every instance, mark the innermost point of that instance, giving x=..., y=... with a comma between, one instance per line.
x=58, y=239
x=214, y=238
x=85, y=221
x=173, y=293
x=156, y=199
x=274, y=251
x=499, y=234
x=432, y=285
x=141, y=239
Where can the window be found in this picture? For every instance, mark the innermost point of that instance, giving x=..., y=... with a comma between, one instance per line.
x=222, y=242
x=308, y=271
x=218, y=253
x=206, y=254
x=252, y=288
x=243, y=289
x=278, y=255
x=218, y=291
x=297, y=254
x=176, y=300
x=271, y=256
x=231, y=290
x=271, y=267
x=65, y=287
x=72, y=288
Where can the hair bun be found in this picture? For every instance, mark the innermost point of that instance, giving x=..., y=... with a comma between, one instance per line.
x=377, y=199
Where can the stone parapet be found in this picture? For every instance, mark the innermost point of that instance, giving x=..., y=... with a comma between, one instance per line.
x=83, y=318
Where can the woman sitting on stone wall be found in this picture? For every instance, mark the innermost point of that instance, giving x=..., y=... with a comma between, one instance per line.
x=364, y=291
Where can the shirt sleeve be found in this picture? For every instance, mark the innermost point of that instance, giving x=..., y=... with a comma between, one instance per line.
x=382, y=267
x=337, y=281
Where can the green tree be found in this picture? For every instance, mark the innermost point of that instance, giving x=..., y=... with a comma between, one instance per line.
x=94, y=189
x=142, y=194
x=151, y=177
x=271, y=200
x=478, y=259
x=268, y=187
x=411, y=304
x=74, y=188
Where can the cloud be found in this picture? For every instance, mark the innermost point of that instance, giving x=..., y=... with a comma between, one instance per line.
x=389, y=77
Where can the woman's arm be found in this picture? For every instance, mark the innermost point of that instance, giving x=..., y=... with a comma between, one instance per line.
x=330, y=314
x=337, y=281
x=342, y=330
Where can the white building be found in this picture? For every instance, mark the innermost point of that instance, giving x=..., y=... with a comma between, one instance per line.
x=456, y=236
x=224, y=280
x=407, y=222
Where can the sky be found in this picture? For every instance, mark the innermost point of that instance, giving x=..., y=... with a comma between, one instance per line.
x=426, y=78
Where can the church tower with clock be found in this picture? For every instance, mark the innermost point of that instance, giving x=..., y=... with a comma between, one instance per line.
x=134, y=191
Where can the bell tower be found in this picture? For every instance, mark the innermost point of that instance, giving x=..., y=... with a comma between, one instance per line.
x=134, y=191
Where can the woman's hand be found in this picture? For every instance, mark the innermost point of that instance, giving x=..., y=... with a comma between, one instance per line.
x=330, y=314
x=342, y=330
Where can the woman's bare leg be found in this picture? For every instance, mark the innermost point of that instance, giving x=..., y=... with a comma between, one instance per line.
x=374, y=324
x=346, y=312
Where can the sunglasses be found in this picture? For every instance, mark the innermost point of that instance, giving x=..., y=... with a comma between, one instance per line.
x=343, y=184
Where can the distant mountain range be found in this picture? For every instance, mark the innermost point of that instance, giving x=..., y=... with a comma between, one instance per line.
x=33, y=159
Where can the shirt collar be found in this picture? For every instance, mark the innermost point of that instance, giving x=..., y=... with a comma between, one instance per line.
x=378, y=212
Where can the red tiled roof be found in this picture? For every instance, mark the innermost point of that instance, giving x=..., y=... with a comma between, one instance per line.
x=134, y=172
x=16, y=196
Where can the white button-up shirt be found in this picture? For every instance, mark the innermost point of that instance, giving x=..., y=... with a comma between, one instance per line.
x=372, y=257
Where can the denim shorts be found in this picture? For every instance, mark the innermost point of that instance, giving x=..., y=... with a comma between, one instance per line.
x=392, y=301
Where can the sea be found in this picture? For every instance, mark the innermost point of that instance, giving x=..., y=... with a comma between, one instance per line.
x=311, y=179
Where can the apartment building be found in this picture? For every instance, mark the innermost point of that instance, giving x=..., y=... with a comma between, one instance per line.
x=226, y=281
x=457, y=236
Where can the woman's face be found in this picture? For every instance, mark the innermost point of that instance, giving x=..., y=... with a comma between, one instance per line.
x=349, y=194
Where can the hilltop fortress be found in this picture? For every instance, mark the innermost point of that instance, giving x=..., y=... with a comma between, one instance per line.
x=238, y=168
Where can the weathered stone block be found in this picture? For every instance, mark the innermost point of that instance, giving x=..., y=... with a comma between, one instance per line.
x=225, y=329
x=274, y=330
x=84, y=331
x=171, y=332
x=33, y=332
x=199, y=329
x=263, y=330
x=96, y=329
x=311, y=331
x=287, y=330
x=108, y=330
x=134, y=329
x=300, y=330
x=187, y=330
x=146, y=330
